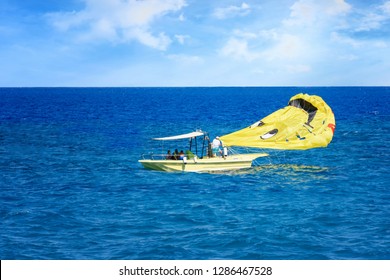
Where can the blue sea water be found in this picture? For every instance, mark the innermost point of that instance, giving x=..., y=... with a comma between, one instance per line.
x=71, y=186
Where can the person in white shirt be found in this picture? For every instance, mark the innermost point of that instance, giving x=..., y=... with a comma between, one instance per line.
x=216, y=146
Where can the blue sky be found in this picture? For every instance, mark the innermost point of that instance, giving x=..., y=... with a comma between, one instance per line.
x=194, y=43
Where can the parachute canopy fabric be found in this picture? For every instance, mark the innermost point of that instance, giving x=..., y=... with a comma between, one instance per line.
x=307, y=122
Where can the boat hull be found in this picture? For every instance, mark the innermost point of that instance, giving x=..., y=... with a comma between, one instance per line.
x=231, y=162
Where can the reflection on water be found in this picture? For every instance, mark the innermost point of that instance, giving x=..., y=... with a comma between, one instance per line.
x=283, y=175
x=292, y=168
x=279, y=169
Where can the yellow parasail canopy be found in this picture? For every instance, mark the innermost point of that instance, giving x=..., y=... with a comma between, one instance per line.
x=307, y=122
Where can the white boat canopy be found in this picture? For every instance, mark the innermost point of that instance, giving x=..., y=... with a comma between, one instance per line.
x=181, y=136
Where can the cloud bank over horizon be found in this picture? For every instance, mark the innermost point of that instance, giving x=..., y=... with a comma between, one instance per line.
x=195, y=43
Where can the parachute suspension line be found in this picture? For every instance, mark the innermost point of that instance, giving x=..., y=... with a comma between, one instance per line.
x=256, y=163
x=269, y=160
x=280, y=155
x=232, y=151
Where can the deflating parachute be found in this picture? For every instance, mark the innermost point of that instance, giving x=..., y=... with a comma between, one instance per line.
x=307, y=122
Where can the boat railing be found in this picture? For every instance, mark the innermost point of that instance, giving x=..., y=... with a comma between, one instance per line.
x=154, y=156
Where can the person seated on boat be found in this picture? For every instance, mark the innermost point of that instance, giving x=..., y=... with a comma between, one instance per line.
x=181, y=155
x=169, y=155
x=216, y=146
x=176, y=154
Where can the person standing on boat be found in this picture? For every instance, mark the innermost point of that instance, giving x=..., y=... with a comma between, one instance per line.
x=216, y=146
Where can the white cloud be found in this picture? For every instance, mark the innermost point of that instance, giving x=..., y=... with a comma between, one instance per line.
x=337, y=7
x=302, y=12
x=299, y=45
x=160, y=42
x=245, y=34
x=182, y=38
x=375, y=18
x=370, y=21
x=118, y=21
x=232, y=11
x=266, y=45
x=238, y=49
x=338, y=38
x=386, y=7
x=182, y=17
x=307, y=12
x=288, y=47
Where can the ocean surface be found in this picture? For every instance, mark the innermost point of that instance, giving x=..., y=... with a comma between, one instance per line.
x=71, y=186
